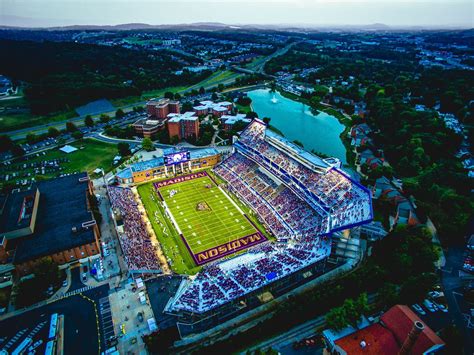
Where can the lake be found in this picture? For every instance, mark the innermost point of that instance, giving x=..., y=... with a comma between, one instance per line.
x=295, y=119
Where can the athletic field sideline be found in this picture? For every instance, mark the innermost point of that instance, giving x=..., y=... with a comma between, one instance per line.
x=205, y=215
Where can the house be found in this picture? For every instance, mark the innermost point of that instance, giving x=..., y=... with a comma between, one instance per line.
x=399, y=331
x=406, y=214
x=374, y=162
x=381, y=184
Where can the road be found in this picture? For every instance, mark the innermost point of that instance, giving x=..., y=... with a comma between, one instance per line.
x=259, y=69
x=283, y=343
x=453, y=289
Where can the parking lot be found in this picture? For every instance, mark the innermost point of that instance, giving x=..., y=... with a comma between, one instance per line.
x=80, y=324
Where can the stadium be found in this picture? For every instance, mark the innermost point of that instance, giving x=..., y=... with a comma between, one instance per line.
x=255, y=226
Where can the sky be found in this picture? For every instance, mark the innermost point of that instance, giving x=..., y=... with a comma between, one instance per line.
x=430, y=13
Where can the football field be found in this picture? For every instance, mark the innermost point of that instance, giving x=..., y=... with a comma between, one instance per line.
x=211, y=225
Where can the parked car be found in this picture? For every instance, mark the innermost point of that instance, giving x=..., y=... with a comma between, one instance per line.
x=442, y=307
x=429, y=305
x=418, y=309
x=65, y=283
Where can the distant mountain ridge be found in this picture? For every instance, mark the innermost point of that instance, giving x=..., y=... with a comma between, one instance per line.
x=215, y=26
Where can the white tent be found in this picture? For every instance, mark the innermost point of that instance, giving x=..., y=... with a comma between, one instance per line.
x=68, y=149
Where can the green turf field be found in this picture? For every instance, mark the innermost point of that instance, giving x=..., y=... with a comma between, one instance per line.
x=216, y=223
x=172, y=245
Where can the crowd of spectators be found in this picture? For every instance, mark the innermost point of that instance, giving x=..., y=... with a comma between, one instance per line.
x=223, y=282
x=331, y=189
x=278, y=207
x=139, y=253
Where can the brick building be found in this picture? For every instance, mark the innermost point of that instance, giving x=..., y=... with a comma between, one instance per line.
x=52, y=219
x=161, y=108
x=183, y=126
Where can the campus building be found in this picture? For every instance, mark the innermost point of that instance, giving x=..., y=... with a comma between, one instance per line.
x=229, y=121
x=160, y=108
x=147, y=127
x=210, y=108
x=156, y=168
x=183, y=126
x=52, y=219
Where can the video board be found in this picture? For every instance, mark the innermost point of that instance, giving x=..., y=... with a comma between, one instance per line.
x=176, y=158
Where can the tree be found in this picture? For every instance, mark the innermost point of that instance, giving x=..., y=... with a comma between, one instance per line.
x=336, y=318
x=187, y=106
x=387, y=295
x=266, y=120
x=244, y=101
x=104, y=118
x=202, y=90
x=88, y=121
x=17, y=150
x=31, y=138
x=6, y=143
x=349, y=313
x=415, y=288
x=169, y=95
x=220, y=87
x=177, y=96
x=174, y=140
x=147, y=144
x=47, y=271
x=53, y=132
x=119, y=113
x=77, y=134
x=251, y=114
x=70, y=127
x=214, y=96
x=123, y=149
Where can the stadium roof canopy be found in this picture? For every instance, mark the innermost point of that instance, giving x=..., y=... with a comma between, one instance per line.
x=62, y=206
x=298, y=150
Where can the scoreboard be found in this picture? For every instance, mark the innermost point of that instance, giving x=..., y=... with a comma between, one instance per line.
x=176, y=158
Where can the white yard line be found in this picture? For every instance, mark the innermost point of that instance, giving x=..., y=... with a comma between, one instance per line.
x=172, y=218
x=232, y=201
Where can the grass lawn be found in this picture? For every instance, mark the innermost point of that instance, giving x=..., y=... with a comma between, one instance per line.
x=243, y=109
x=130, y=100
x=161, y=92
x=92, y=154
x=13, y=121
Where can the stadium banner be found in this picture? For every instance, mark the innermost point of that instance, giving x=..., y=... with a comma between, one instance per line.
x=222, y=250
x=178, y=179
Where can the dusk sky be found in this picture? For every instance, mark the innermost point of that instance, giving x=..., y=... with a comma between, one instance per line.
x=433, y=13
